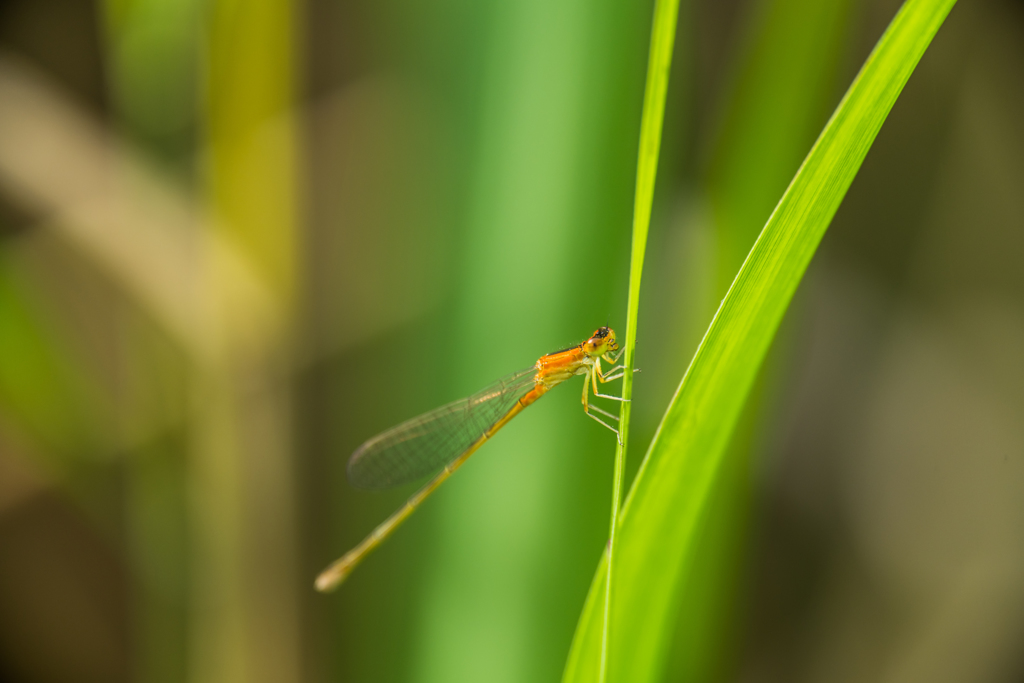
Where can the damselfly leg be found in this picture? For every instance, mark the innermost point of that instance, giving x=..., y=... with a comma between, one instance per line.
x=596, y=375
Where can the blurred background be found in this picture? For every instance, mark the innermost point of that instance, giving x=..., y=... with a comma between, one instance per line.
x=238, y=239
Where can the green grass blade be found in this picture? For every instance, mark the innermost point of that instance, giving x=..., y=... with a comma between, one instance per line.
x=657, y=523
x=663, y=32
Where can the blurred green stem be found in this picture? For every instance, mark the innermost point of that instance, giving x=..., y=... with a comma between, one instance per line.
x=245, y=610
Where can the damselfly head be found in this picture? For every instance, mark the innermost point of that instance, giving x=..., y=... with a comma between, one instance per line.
x=601, y=342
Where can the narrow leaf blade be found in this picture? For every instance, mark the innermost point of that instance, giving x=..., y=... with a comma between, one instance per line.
x=665, y=502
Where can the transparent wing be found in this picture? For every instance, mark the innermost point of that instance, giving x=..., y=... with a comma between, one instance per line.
x=425, y=444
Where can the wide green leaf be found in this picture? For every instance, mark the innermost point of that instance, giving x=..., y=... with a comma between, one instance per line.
x=656, y=533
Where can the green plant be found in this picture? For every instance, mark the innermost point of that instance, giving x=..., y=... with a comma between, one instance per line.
x=655, y=532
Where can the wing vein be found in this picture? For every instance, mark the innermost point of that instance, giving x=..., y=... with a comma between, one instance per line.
x=423, y=445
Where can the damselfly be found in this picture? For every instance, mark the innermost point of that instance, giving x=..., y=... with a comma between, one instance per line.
x=443, y=439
